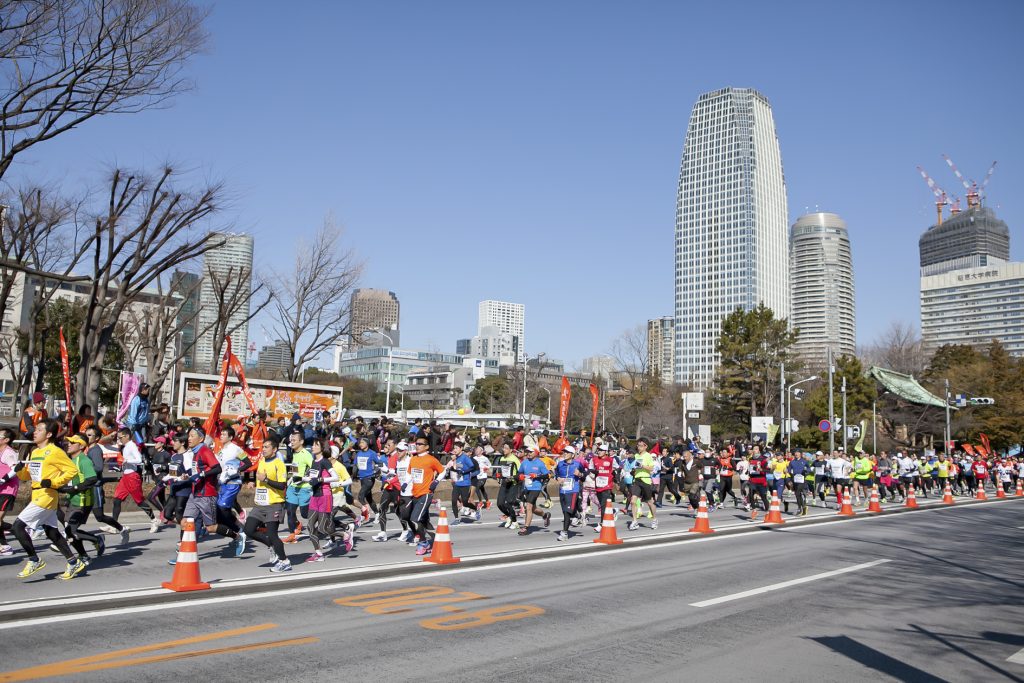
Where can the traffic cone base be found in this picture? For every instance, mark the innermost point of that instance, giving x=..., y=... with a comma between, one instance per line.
x=608, y=535
x=947, y=495
x=703, y=524
x=874, y=505
x=911, y=498
x=186, y=569
x=441, y=550
x=774, y=512
x=1020, y=488
x=1000, y=493
x=980, y=495
x=847, y=509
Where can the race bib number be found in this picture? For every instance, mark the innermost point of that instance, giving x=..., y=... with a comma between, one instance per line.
x=262, y=496
x=35, y=468
x=567, y=485
x=506, y=471
x=361, y=463
x=798, y=478
x=707, y=471
x=417, y=475
x=456, y=476
x=600, y=482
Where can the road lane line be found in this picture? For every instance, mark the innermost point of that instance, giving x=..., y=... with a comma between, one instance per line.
x=278, y=592
x=1017, y=657
x=785, y=584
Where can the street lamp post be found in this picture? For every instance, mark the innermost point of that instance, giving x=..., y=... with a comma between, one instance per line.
x=526, y=362
x=549, y=405
x=789, y=408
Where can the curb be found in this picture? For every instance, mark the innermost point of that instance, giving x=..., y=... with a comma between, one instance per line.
x=46, y=607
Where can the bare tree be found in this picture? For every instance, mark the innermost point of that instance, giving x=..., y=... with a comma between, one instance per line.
x=633, y=370
x=66, y=61
x=311, y=302
x=899, y=348
x=144, y=230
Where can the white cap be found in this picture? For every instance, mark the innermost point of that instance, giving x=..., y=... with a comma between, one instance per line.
x=819, y=453
x=569, y=449
x=402, y=446
x=603, y=447
x=346, y=430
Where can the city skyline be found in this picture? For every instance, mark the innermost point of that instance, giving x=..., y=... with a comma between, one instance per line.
x=589, y=151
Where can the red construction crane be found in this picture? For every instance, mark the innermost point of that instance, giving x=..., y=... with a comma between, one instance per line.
x=940, y=194
x=971, y=187
x=988, y=177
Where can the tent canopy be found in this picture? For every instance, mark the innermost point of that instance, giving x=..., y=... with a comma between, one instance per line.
x=906, y=387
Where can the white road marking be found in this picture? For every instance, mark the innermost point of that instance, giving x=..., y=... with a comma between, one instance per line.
x=342, y=573
x=785, y=584
x=1018, y=657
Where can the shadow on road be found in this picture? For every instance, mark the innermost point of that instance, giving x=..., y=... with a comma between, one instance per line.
x=879, y=661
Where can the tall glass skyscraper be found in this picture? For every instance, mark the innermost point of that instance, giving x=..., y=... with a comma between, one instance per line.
x=823, y=296
x=732, y=232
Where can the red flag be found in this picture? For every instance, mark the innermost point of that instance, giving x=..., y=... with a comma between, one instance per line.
x=968, y=448
x=239, y=371
x=563, y=409
x=984, y=441
x=595, y=398
x=67, y=375
x=218, y=397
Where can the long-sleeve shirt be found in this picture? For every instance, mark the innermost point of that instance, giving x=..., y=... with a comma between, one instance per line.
x=48, y=463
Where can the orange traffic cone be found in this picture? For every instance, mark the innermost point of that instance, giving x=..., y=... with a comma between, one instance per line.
x=980, y=495
x=1000, y=493
x=947, y=495
x=186, y=569
x=1020, y=488
x=847, y=509
x=702, y=525
x=911, y=498
x=874, y=505
x=441, y=550
x=608, y=535
x=774, y=511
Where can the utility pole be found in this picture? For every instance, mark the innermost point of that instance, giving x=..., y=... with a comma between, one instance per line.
x=782, y=404
x=949, y=434
x=874, y=430
x=831, y=407
x=845, y=426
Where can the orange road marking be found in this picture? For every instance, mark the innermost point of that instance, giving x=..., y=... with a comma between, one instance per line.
x=116, y=658
x=483, y=617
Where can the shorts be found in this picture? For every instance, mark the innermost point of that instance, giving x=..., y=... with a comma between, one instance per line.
x=530, y=497
x=36, y=518
x=6, y=502
x=227, y=494
x=298, y=497
x=130, y=484
x=322, y=503
x=642, y=490
x=268, y=513
x=841, y=483
x=203, y=509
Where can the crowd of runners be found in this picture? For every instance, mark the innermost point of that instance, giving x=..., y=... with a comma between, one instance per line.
x=319, y=484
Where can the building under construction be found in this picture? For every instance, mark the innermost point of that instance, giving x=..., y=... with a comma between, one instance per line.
x=968, y=239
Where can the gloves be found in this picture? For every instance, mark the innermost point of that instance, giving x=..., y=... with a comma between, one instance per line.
x=522, y=477
x=19, y=467
x=44, y=484
x=196, y=478
x=433, y=485
x=295, y=480
x=68, y=488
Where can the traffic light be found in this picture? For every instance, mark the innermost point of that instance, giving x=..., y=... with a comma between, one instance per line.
x=981, y=401
x=853, y=432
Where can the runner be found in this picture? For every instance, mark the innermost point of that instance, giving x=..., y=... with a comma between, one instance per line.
x=799, y=468
x=758, y=469
x=322, y=531
x=602, y=467
x=203, y=470
x=80, y=491
x=234, y=463
x=842, y=469
x=688, y=476
x=568, y=472
x=9, y=489
x=508, y=486
x=299, y=493
x=709, y=465
x=461, y=470
x=642, y=489
x=533, y=475
x=862, y=475
x=390, y=490
x=130, y=483
x=368, y=467
x=725, y=473
x=271, y=484
x=483, y=464
x=424, y=469
x=48, y=469
x=178, y=485
x=668, y=482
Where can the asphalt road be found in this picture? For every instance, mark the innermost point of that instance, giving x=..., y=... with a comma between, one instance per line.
x=930, y=596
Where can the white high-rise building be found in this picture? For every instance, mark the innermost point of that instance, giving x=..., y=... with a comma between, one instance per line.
x=232, y=260
x=661, y=347
x=732, y=231
x=507, y=317
x=822, y=279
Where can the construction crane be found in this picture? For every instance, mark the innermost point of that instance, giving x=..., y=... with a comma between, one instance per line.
x=973, y=193
x=988, y=177
x=940, y=194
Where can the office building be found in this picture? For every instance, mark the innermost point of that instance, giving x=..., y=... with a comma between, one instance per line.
x=186, y=285
x=973, y=306
x=732, y=232
x=371, y=364
x=508, y=318
x=598, y=366
x=490, y=343
x=971, y=239
x=821, y=275
x=230, y=262
x=373, y=311
x=275, y=360
x=661, y=336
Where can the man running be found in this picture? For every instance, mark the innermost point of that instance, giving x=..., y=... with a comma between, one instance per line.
x=568, y=472
x=424, y=469
x=508, y=487
x=299, y=492
x=461, y=471
x=271, y=484
x=602, y=466
x=80, y=491
x=642, y=490
x=130, y=483
x=533, y=475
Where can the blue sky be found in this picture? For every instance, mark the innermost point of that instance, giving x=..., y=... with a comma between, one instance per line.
x=529, y=151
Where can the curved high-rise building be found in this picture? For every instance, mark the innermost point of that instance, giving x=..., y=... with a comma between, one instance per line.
x=822, y=281
x=732, y=229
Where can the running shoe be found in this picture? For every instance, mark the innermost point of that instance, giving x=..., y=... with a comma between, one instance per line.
x=650, y=515
x=154, y=526
x=54, y=548
x=546, y=504
x=281, y=566
x=101, y=546
x=273, y=557
x=125, y=534
x=633, y=526
x=654, y=523
x=173, y=561
x=597, y=529
x=201, y=532
x=107, y=529
x=74, y=569
x=240, y=544
x=315, y=557
x=38, y=535
x=523, y=531
x=31, y=568
x=477, y=515
x=562, y=536
x=242, y=516
x=422, y=548
x=547, y=519
x=488, y=505
x=328, y=546
x=293, y=537
x=6, y=550
x=405, y=536
x=514, y=526
x=380, y=537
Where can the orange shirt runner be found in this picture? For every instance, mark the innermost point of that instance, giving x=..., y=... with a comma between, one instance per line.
x=423, y=469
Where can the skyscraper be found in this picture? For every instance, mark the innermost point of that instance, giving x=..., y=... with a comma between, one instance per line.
x=374, y=309
x=971, y=239
x=732, y=233
x=821, y=270
x=507, y=317
x=232, y=262
x=661, y=348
